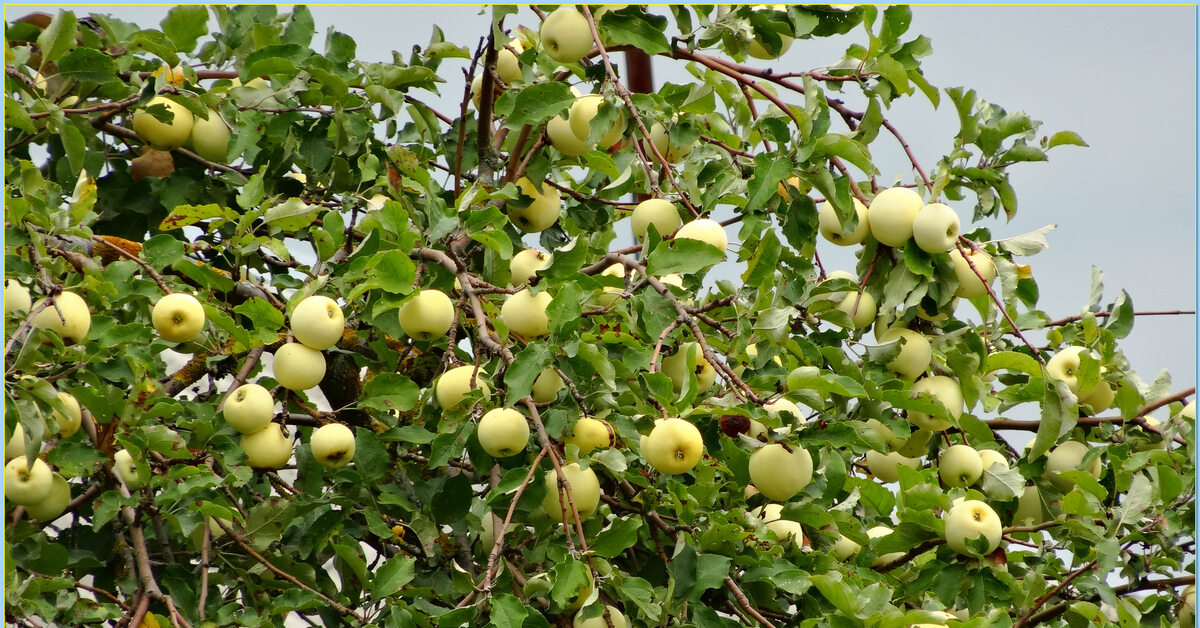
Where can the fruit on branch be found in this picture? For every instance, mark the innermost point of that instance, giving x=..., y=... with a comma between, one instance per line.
x=1142, y=439
x=68, y=424
x=991, y=457
x=589, y=433
x=15, y=445
x=945, y=390
x=891, y=215
x=757, y=49
x=68, y=316
x=614, y=616
x=127, y=470
x=774, y=408
x=210, y=138
x=583, y=111
x=915, y=352
x=427, y=316
x=971, y=519
x=585, y=492
x=508, y=66
x=833, y=230
x=564, y=140
x=893, y=441
x=1030, y=510
x=268, y=448
x=524, y=313
x=452, y=387
x=164, y=135
x=844, y=548
x=612, y=293
x=524, y=265
x=1187, y=606
x=175, y=75
x=673, y=446
x=674, y=367
x=25, y=484
x=860, y=307
x=935, y=229
x=1100, y=397
x=917, y=444
x=969, y=284
x=705, y=230
x=16, y=298
x=332, y=445
x=547, y=385
x=318, y=322
x=778, y=473
x=672, y=152
x=565, y=35
x=1064, y=366
x=503, y=432
x=298, y=367
x=784, y=529
x=178, y=317
x=658, y=212
x=541, y=211
x=55, y=502
x=249, y=408
x=942, y=615
x=1189, y=411
x=1066, y=457
x=884, y=466
x=881, y=531
x=960, y=466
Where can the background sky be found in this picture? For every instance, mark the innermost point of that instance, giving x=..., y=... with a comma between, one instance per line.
x=1122, y=77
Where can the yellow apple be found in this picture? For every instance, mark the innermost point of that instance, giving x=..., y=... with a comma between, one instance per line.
x=1066, y=457
x=564, y=140
x=377, y=202
x=541, y=212
x=16, y=298
x=547, y=385
x=210, y=138
x=935, y=228
x=589, y=433
x=68, y=316
x=1100, y=397
x=254, y=83
x=69, y=424
x=163, y=135
x=674, y=366
x=508, y=66
x=991, y=457
x=127, y=471
x=268, y=448
x=55, y=502
x=297, y=367
x=673, y=446
x=318, y=322
x=1064, y=366
x=860, y=307
x=565, y=35
x=832, y=229
x=584, y=110
x=661, y=138
x=778, y=473
x=960, y=466
x=524, y=265
x=427, y=315
x=15, y=445
x=945, y=390
x=1187, y=606
x=970, y=519
x=525, y=313
x=893, y=441
x=1030, y=510
x=784, y=529
x=705, y=230
x=612, y=293
x=881, y=531
x=615, y=619
x=844, y=548
x=969, y=285
x=178, y=317
x=757, y=50
x=332, y=445
x=1189, y=411
x=452, y=387
x=249, y=409
x=658, y=212
x=884, y=466
x=585, y=492
x=915, y=352
x=891, y=215
x=503, y=432
x=780, y=405
x=25, y=484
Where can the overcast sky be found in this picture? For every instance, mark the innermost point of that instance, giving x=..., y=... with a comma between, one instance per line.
x=1122, y=77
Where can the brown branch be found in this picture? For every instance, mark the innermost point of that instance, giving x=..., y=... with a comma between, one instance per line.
x=995, y=299
x=1038, y=603
x=1072, y=319
x=745, y=603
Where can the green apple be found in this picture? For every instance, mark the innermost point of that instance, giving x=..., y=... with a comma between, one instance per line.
x=25, y=484
x=757, y=50
x=860, y=307
x=178, y=317
x=674, y=446
x=969, y=284
x=298, y=367
x=254, y=83
x=541, y=212
x=68, y=424
x=55, y=502
x=991, y=457
x=210, y=138
x=891, y=215
x=658, y=212
x=452, y=387
x=784, y=529
x=960, y=466
x=674, y=366
x=660, y=137
x=774, y=408
x=1100, y=397
x=508, y=66
x=127, y=471
x=476, y=89
x=832, y=229
x=970, y=519
x=778, y=473
x=1066, y=457
x=249, y=409
x=935, y=228
x=318, y=322
x=917, y=444
x=945, y=390
x=583, y=111
x=1064, y=366
x=164, y=135
x=427, y=315
x=942, y=615
x=585, y=492
x=15, y=445
x=524, y=265
x=612, y=293
x=524, y=313
x=915, y=352
x=893, y=441
x=705, y=230
x=1187, y=606
x=877, y=532
x=1030, y=510
x=565, y=35
x=503, y=432
x=884, y=466
x=564, y=140
x=589, y=433
x=268, y=448
x=844, y=548
x=332, y=445
x=547, y=385
x=16, y=298
x=615, y=619
x=68, y=316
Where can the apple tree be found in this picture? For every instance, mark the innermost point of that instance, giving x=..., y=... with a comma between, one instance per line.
x=290, y=341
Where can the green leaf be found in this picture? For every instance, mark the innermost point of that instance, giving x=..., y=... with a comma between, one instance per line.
x=534, y=104
x=619, y=536
x=394, y=271
x=519, y=377
x=87, y=64
x=390, y=391
x=1059, y=412
x=1121, y=321
x=267, y=520
x=393, y=575
x=291, y=214
x=185, y=25
x=838, y=145
x=643, y=31
x=58, y=37
x=682, y=255
x=227, y=324
x=266, y=319
x=838, y=592
x=508, y=611
x=1013, y=361
x=1069, y=138
x=1001, y=483
x=769, y=170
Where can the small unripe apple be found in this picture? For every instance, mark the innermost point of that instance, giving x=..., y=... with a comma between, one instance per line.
x=884, y=466
x=969, y=284
x=249, y=409
x=658, y=212
x=16, y=298
x=178, y=317
x=69, y=316
x=915, y=352
x=427, y=315
x=784, y=529
x=584, y=110
x=542, y=210
x=831, y=227
x=318, y=322
x=524, y=265
x=705, y=230
x=547, y=385
x=503, y=432
x=565, y=35
x=879, y=532
x=1189, y=411
x=55, y=502
x=585, y=492
x=757, y=50
x=589, y=433
x=945, y=390
x=68, y=424
x=210, y=138
x=970, y=519
x=27, y=484
x=524, y=313
x=614, y=616
x=127, y=471
x=778, y=473
x=268, y=448
x=935, y=229
x=674, y=446
x=1066, y=457
x=164, y=135
x=452, y=387
x=298, y=367
x=332, y=445
x=960, y=466
x=674, y=366
x=891, y=215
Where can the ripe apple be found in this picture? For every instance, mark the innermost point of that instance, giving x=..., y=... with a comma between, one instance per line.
x=658, y=212
x=15, y=445
x=969, y=285
x=524, y=265
x=970, y=519
x=784, y=405
x=454, y=384
x=503, y=432
x=893, y=441
x=614, y=616
x=1189, y=411
x=1030, y=510
x=583, y=111
x=127, y=470
x=960, y=466
x=673, y=446
x=832, y=228
x=210, y=138
x=879, y=532
x=24, y=484
x=297, y=367
x=543, y=208
x=705, y=230
x=318, y=322
x=845, y=548
x=1064, y=366
x=508, y=66
x=860, y=307
x=547, y=385
x=427, y=315
x=268, y=448
x=1187, y=606
x=757, y=50
x=916, y=445
x=1100, y=397
x=1066, y=457
x=589, y=433
x=16, y=298
x=784, y=529
x=564, y=140
x=249, y=409
x=525, y=313
x=673, y=367
x=68, y=316
x=935, y=229
x=778, y=473
x=178, y=317
x=585, y=492
x=891, y=215
x=69, y=424
x=565, y=35
x=884, y=466
x=915, y=352
x=612, y=293
x=164, y=135
x=991, y=457
x=672, y=152
x=945, y=390
x=784, y=186
x=332, y=445
x=55, y=502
